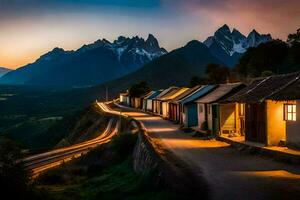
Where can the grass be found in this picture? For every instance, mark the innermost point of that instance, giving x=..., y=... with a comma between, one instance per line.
x=104, y=173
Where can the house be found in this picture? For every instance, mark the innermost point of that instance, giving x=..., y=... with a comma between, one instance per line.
x=148, y=100
x=210, y=113
x=265, y=117
x=188, y=107
x=157, y=104
x=290, y=95
x=124, y=98
x=137, y=102
x=165, y=99
x=175, y=107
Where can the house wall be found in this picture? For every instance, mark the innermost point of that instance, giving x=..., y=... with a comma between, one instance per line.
x=165, y=109
x=149, y=104
x=276, y=125
x=293, y=129
x=209, y=116
x=228, y=118
x=201, y=115
x=122, y=100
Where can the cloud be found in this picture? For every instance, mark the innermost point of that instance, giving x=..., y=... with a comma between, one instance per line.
x=278, y=17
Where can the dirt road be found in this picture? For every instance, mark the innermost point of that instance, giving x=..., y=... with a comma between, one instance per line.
x=229, y=173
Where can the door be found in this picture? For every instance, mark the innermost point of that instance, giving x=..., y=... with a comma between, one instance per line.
x=215, y=120
x=192, y=115
x=255, y=122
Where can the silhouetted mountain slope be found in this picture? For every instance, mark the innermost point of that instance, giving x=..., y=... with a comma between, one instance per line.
x=91, y=64
x=3, y=71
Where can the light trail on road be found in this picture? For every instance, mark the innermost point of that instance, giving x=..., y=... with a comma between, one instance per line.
x=47, y=160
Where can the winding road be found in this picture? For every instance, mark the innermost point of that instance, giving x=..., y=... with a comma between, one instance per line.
x=44, y=161
x=229, y=173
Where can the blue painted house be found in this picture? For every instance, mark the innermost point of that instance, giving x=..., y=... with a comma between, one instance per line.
x=189, y=112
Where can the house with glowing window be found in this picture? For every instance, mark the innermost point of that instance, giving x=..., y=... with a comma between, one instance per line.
x=211, y=113
x=258, y=112
x=290, y=96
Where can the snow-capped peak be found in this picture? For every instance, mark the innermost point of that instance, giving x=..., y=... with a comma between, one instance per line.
x=234, y=41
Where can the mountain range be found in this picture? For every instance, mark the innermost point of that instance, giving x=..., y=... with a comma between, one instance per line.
x=228, y=46
x=128, y=59
x=4, y=71
x=91, y=64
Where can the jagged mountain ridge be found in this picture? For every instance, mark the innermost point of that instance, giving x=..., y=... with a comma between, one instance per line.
x=4, y=70
x=228, y=46
x=91, y=64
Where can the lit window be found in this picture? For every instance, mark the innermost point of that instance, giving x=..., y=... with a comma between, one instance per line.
x=290, y=112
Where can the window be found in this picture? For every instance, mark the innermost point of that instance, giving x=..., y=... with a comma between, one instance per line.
x=290, y=112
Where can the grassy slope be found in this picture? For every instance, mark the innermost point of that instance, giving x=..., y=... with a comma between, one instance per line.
x=105, y=173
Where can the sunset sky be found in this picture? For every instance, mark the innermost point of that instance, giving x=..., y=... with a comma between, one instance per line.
x=29, y=28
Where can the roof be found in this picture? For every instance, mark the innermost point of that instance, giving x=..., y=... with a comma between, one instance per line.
x=186, y=93
x=173, y=94
x=199, y=93
x=153, y=94
x=124, y=94
x=222, y=91
x=165, y=92
x=264, y=88
x=291, y=92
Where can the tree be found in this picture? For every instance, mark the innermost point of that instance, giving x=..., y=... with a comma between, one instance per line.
x=196, y=80
x=270, y=56
x=294, y=38
x=217, y=74
x=13, y=177
x=139, y=89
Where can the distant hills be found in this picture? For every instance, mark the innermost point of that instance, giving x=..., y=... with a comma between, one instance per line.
x=91, y=64
x=228, y=46
x=3, y=71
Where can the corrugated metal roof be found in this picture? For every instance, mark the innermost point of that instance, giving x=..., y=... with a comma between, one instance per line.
x=154, y=94
x=186, y=93
x=223, y=90
x=173, y=94
x=199, y=93
x=291, y=92
x=261, y=89
x=165, y=92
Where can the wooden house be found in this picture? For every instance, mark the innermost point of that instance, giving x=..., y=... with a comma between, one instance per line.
x=265, y=118
x=188, y=106
x=164, y=101
x=209, y=110
x=175, y=107
x=290, y=96
x=125, y=99
x=157, y=104
x=148, y=101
